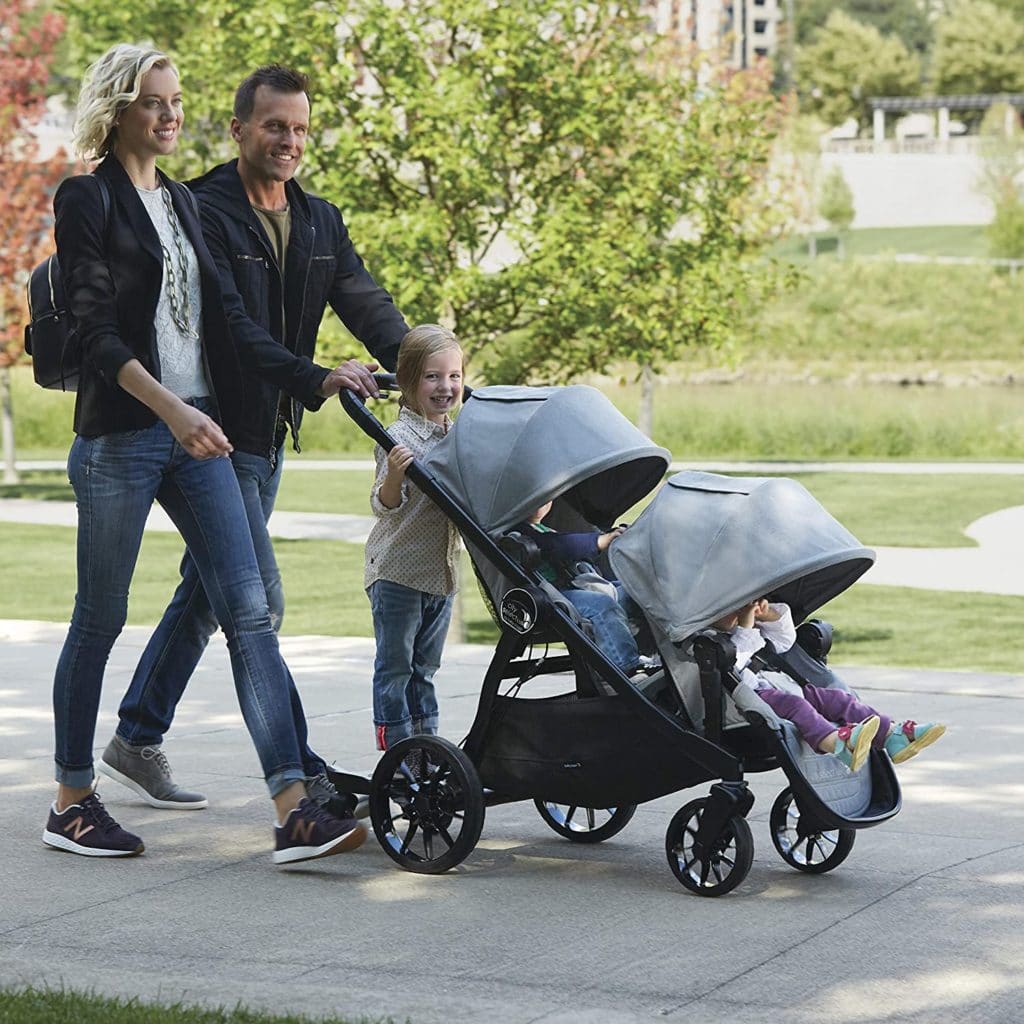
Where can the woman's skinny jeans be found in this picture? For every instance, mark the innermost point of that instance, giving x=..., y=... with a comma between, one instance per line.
x=116, y=478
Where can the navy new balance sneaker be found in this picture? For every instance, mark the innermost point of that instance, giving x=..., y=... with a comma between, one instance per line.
x=310, y=832
x=87, y=829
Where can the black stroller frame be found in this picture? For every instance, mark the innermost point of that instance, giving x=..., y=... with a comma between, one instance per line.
x=588, y=757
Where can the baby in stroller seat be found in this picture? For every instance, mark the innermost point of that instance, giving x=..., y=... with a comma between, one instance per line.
x=829, y=720
x=569, y=561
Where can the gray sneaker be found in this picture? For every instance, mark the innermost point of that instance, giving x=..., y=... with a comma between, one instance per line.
x=145, y=771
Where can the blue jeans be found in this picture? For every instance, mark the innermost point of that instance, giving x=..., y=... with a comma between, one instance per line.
x=410, y=627
x=189, y=621
x=116, y=478
x=607, y=616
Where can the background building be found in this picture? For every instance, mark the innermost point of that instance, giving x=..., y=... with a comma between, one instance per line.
x=741, y=30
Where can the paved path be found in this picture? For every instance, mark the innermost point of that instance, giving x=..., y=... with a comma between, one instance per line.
x=922, y=924
x=995, y=565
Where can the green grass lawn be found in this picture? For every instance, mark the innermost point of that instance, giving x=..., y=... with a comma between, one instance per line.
x=62, y=1006
x=949, y=240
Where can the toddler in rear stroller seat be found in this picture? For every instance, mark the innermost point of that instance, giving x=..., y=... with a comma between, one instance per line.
x=569, y=561
x=829, y=720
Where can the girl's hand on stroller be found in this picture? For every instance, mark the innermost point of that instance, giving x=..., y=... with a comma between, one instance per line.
x=399, y=460
x=390, y=492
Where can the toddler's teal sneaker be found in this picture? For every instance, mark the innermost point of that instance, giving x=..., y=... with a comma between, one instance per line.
x=854, y=742
x=908, y=738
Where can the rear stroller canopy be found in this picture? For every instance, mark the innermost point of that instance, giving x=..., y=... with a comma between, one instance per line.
x=514, y=448
x=709, y=544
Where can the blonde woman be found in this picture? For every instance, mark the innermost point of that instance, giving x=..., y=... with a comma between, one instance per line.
x=142, y=290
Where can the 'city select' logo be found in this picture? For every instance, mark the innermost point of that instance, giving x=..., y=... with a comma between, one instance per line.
x=519, y=611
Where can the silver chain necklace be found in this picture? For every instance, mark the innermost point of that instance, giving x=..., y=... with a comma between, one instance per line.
x=177, y=280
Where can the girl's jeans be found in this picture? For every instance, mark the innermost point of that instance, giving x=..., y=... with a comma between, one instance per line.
x=115, y=478
x=174, y=649
x=410, y=627
x=817, y=713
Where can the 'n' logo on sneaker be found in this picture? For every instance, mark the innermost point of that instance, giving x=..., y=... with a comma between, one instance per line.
x=302, y=831
x=80, y=827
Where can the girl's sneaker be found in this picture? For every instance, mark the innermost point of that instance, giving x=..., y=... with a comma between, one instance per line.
x=853, y=743
x=908, y=738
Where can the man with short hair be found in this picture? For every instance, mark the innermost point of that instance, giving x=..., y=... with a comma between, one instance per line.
x=283, y=256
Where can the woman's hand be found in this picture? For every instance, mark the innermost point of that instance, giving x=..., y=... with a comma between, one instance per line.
x=197, y=433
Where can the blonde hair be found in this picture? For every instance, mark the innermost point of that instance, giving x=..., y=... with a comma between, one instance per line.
x=110, y=84
x=422, y=342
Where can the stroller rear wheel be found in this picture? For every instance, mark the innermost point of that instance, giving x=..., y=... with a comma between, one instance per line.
x=585, y=824
x=812, y=851
x=718, y=869
x=426, y=804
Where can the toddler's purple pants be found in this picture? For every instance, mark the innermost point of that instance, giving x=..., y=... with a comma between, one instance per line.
x=820, y=710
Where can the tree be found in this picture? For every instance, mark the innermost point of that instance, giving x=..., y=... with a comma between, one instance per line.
x=28, y=35
x=905, y=19
x=978, y=48
x=544, y=175
x=835, y=203
x=1002, y=179
x=849, y=62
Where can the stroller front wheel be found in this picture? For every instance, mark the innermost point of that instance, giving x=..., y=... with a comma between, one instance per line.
x=806, y=849
x=717, y=869
x=426, y=804
x=585, y=824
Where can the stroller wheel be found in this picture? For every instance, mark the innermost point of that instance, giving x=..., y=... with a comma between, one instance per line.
x=711, y=872
x=812, y=851
x=585, y=824
x=426, y=804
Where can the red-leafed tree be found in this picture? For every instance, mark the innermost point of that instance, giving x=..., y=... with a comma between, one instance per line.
x=28, y=35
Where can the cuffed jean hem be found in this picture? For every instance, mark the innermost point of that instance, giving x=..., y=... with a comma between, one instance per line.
x=75, y=778
x=280, y=781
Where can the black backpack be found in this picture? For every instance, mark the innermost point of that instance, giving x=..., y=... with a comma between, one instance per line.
x=50, y=339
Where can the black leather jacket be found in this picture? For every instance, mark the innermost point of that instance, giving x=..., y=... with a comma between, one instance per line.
x=321, y=267
x=112, y=270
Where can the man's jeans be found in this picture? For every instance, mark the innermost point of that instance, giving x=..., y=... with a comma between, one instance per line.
x=115, y=478
x=174, y=650
x=410, y=627
x=610, y=624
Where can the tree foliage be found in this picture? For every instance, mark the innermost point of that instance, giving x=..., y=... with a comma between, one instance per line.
x=978, y=48
x=835, y=203
x=544, y=174
x=847, y=63
x=28, y=35
x=906, y=19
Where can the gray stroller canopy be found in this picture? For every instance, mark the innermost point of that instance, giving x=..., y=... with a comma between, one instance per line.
x=709, y=544
x=514, y=448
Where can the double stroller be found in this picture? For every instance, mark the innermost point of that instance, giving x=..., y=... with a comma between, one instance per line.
x=557, y=722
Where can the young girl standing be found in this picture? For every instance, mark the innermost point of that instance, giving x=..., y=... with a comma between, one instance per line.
x=412, y=550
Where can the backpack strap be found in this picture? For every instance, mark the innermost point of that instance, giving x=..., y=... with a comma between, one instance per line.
x=104, y=199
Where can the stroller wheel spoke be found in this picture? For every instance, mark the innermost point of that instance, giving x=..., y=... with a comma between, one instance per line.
x=410, y=834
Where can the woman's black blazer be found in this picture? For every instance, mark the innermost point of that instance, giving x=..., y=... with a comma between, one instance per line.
x=112, y=274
